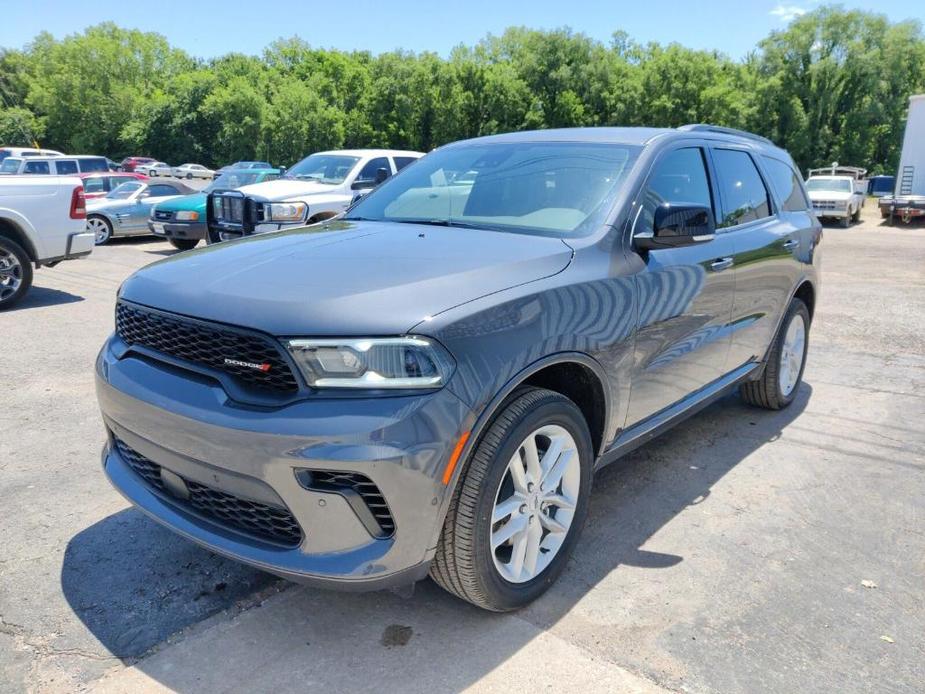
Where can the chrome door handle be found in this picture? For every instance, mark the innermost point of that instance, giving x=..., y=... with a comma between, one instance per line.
x=721, y=264
x=791, y=244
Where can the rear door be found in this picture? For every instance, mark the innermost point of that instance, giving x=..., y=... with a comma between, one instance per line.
x=766, y=213
x=685, y=294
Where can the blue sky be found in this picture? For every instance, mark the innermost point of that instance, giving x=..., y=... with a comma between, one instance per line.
x=208, y=28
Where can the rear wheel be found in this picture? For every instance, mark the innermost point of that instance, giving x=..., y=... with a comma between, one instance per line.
x=856, y=217
x=183, y=244
x=15, y=272
x=519, y=506
x=783, y=372
x=189, y=177
x=101, y=228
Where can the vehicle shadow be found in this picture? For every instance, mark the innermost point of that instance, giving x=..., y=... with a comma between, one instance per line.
x=133, y=583
x=44, y=296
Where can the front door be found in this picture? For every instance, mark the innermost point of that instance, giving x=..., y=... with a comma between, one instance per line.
x=685, y=295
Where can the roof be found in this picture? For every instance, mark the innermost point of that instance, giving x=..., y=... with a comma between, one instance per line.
x=373, y=152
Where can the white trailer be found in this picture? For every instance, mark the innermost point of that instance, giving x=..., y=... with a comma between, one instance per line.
x=908, y=199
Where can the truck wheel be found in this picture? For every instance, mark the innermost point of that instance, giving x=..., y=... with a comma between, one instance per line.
x=783, y=372
x=846, y=221
x=856, y=217
x=183, y=244
x=15, y=273
x=101, y=228
x=519, y=505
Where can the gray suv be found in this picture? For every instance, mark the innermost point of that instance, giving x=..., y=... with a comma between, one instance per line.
x=427, y=384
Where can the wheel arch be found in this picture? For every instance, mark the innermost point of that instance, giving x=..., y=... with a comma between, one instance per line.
x=12, y=231
x=806, y=293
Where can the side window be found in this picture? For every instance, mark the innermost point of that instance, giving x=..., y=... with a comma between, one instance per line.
x=787, y=184
x=368, y=172
x=36, y=167
x=94, y=185
x=157, y=191
x=744, y=196
x=65, y=167
x=119, y=180
x=402, y=162
x=94, y=164
x=680, y=177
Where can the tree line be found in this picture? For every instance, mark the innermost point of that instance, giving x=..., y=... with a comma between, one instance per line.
x=832, y=85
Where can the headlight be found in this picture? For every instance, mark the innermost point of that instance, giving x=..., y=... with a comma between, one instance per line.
x=390, y=362
x=285, y=211
x=187, y=216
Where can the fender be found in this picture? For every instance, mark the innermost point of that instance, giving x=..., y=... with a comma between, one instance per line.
x=488, y=413
x=31, y=239
x=793, y=292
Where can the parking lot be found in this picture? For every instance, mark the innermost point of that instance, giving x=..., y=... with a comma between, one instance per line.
x=744, y=551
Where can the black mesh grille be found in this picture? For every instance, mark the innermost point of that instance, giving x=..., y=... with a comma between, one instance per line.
x=163, y=215
x=362, y=485
x=260, y=520
x=253, y=360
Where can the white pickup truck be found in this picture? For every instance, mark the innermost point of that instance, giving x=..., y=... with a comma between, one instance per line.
x=319, y=187
x=838, y=192
x=43, y=220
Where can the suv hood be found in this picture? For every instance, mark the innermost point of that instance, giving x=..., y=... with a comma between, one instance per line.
x=346, y=278
x=280, y=189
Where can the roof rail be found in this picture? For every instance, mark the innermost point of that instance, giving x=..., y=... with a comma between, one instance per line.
x=698, y=127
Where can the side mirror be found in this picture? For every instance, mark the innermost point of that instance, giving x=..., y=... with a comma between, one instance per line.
x=677, y=225
x=381, y=175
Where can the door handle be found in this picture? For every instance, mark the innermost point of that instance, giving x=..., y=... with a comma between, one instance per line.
x=790, y=244
x=721, y=264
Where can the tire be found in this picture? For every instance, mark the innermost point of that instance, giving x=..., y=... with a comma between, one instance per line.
x=856, y=217
x=183, y=244
x=101, y=228
x=845, y=221
x=189, y=177
x=768, y=391
x=15, y=273
x=466, y=564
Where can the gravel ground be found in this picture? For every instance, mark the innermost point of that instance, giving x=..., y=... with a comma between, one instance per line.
x=744, y=551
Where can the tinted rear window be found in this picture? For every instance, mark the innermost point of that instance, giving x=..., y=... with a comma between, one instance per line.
x=94, y=164
x=787, y=184
x=65, y=167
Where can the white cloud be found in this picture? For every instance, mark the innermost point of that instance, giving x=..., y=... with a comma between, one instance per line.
x=787, y=13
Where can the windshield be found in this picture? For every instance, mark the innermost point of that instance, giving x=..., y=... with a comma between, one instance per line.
x=232, y=179
x=10, y=165
x=124, y=191
x=330, y=169
x=830, y=185
x=546, y=188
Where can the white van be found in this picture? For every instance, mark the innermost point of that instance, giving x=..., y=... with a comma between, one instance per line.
x=60, y=165
x=27, y=152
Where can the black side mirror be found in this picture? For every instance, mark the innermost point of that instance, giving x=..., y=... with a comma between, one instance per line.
x=677, y=225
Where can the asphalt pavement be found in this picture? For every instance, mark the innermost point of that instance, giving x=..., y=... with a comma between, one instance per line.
x=743, y=551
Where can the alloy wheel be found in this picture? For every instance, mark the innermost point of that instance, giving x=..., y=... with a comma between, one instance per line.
x=535, y=504
x=791, y=355
x=100, y=230
x=11, y=274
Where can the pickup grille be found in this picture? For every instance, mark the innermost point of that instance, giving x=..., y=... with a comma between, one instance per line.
x=228, y=209
x=251, y=517
x=163, y=215
x=824, y=204
x=252, y=359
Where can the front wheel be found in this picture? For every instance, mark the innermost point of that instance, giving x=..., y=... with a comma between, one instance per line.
x=183, y=244
x=189, y=177
x=15, y=273
x=519, y=505
x=101, y=228
x=783, y=372
x=856, y=217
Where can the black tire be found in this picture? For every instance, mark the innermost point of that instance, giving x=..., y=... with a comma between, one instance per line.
x=189, y=177
x=183, y=244
x=463, y=564
x=845, y=222
x=21, y=273
x=766, y=391
x=856, y=217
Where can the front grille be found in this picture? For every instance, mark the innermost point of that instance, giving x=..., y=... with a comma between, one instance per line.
x=824, y=204
x=260, y=520
x=364, y=487
x=253, y=360
x=229, y=209
x=163, y=215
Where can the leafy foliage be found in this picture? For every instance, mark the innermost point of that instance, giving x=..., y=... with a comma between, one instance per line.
x=833, y=85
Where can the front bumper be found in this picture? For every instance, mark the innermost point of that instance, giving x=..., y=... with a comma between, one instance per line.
x=179, y=230
x=831, y=213
x=189, y=427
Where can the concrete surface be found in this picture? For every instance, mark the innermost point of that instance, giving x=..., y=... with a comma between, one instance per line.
x=734, y=554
